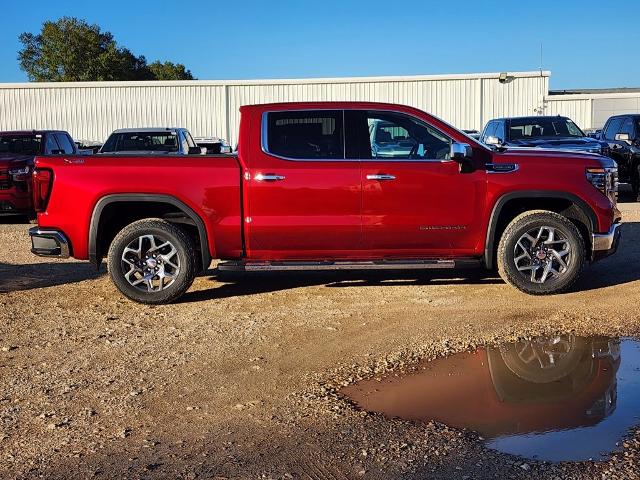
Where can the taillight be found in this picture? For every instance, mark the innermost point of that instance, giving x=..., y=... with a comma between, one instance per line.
x=42, y=183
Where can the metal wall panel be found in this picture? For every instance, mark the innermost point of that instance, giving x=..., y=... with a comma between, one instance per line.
x=593, y=110
x=578, y=110
x=603, y=108
x=91, y=110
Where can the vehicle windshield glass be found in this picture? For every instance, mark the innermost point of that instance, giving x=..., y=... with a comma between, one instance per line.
x=20, y=144
x=141, y=142
x=543, y=127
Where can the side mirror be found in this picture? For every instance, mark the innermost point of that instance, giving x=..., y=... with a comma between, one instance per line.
x=492, y=141
x=622, y=137
x=460, y=151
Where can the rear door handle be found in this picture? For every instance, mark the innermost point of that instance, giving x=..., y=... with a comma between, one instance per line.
x=268, y=177
x=381, y=177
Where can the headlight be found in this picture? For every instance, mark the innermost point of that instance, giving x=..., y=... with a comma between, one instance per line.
x=605, y=180
x=19, y=171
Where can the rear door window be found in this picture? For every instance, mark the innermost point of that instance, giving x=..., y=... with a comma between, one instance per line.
x=306, y=135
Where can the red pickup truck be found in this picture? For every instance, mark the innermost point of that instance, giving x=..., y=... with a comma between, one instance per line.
x=339, y=185
x=17, y=152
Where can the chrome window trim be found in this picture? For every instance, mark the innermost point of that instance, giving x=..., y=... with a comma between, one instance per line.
x=264, y=130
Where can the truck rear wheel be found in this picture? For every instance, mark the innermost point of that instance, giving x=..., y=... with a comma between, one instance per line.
x=152, y=261
x=541, y=253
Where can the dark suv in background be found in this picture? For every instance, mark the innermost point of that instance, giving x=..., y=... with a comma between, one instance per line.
x=558, y=133
x=622, y=134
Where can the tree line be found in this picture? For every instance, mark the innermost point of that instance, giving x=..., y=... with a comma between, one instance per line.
x=71, y=50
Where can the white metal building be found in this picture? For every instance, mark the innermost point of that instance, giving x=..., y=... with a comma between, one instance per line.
x=591, y=110
x=91, y=110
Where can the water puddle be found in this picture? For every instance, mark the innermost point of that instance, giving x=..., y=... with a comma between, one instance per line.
x=549, y=398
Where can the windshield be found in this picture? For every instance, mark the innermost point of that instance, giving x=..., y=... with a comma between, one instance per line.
x=21, y=144
x=542, y=127
x=141, y=141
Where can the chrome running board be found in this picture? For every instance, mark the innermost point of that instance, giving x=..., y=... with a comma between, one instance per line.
x=263, y=266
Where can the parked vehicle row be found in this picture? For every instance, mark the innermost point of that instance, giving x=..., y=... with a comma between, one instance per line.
x=540, y=132
x=19, y=148
x=330, y=185
x=17, y=153
x=619, y=139
x=151, y=141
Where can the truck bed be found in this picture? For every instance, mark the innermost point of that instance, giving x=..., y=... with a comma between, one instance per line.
x=208, y=184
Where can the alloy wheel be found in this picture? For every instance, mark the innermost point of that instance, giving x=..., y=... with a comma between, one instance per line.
x=150, y=263
x=542, y=253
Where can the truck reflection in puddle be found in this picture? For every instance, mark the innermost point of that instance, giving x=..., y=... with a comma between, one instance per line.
x=550, y=398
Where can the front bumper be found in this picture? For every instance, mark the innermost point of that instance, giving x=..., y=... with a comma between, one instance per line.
x=605, y=244
x=48, y=243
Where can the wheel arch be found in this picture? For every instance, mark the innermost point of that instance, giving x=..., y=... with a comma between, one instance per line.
x=170, y=208
x=509, y=205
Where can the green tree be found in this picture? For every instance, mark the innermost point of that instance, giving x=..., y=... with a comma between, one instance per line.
x=70, y=50
x=169, y=71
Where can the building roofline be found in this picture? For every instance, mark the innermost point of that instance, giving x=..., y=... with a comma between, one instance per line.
x=274, y=81
x=594, y=91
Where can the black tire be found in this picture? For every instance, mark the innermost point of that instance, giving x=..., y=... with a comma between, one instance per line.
x=527, y=222
x=635, y=183
x=163, y=231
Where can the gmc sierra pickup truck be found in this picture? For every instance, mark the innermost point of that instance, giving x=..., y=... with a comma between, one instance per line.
x=307, y=190
x=17, y=153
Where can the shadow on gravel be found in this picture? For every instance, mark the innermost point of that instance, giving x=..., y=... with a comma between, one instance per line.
x=14, y=220
x=39, y=275
x=263, y=282
x=618, y=269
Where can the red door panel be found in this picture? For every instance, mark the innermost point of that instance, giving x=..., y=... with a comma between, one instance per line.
x=428, y=209
x=304, y=199
x=313, y=212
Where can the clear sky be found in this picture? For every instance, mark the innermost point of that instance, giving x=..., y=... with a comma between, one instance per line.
x=586, y=44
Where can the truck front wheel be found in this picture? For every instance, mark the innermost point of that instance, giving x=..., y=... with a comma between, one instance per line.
x=152, y=261
x=541, y=253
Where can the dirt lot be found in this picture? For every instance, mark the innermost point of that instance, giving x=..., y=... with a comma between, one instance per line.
x=239, y=380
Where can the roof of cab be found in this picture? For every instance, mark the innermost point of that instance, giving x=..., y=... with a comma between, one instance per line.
x=29, y=132
x=148, y=129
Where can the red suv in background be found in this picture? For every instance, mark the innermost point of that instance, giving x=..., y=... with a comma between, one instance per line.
x=17, y=153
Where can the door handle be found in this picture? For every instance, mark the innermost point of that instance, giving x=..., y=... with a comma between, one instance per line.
x=381, y=177
x=268, y=177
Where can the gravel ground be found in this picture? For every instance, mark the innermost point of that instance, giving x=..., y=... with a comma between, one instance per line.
x=239, y=380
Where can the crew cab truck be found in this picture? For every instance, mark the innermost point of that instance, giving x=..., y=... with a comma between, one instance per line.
x=18, y=150
x=151, y=141
x=622, y=133
x=306, y=191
